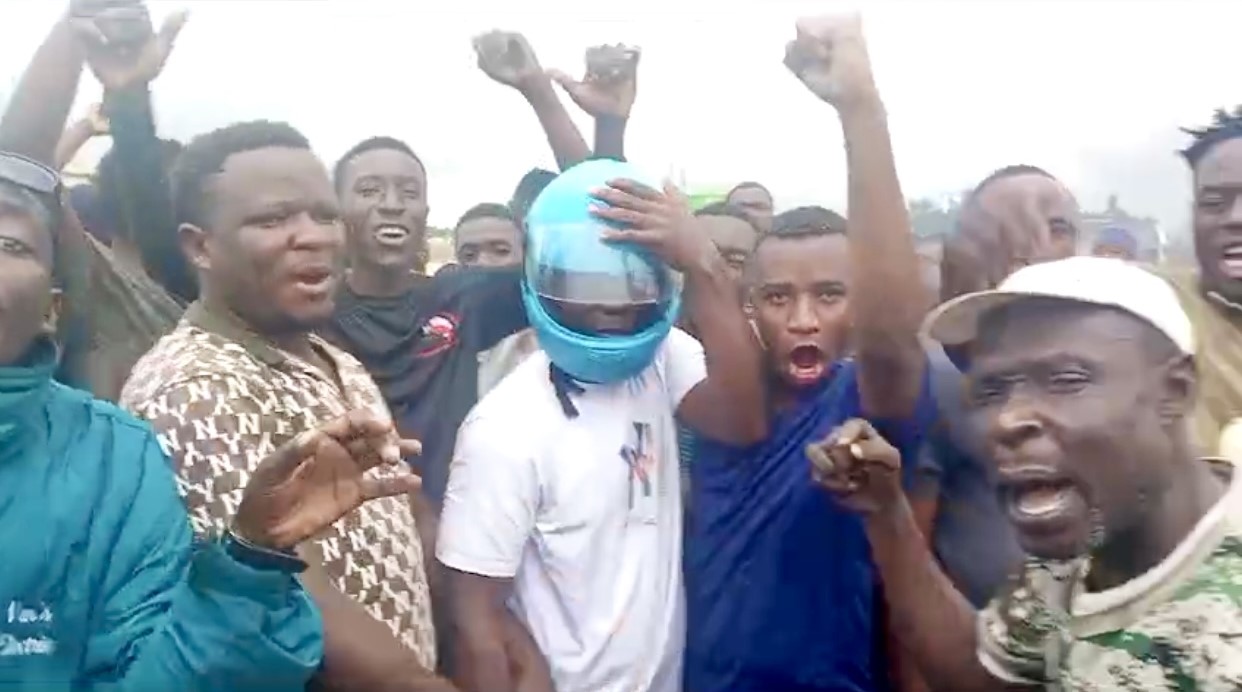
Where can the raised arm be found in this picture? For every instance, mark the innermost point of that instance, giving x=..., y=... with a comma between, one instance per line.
x=508, y=58
x=39, y=107
x=134, y=173
x=607, y=93
x=731, y=404
x=886, y=298
x=79, y=133
x=933, y=622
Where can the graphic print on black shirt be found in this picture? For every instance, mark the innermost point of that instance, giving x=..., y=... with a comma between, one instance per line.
x=422, y=350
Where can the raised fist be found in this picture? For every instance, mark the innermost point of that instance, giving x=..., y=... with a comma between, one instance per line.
x=829, y=56
x=507, y=57
x=611, y=82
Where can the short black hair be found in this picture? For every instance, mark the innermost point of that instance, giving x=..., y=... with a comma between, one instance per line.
x=1008, y=172
x=1225, y=125
x=528, y=189
x=749, y=184
x=807, y=221
x=379, y=143
x=205, y=155
x=729, y=210
x=485, y=210
x=803, y=222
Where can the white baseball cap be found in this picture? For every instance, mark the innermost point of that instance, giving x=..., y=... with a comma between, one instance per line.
x=1086, y=280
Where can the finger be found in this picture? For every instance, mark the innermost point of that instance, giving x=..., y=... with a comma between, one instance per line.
x=877, y=452
x=674, y=193
x=635, y=189
x=849, y=432
x=410, y=448
x=625, y=217
x=620, y=199
x=356, y=424
x=90, y=33
x=569, y=84
x=375, y=488
x=288, y=457
x=172, y=26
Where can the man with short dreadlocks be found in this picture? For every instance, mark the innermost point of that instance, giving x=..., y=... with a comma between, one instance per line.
x=1213, y=296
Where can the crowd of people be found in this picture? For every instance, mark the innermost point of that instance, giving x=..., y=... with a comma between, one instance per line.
x=248, y=443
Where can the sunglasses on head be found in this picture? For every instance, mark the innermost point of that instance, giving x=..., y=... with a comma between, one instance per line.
x=32, y=176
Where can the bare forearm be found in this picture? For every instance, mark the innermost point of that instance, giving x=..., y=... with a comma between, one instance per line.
x=734, y=356
x=610, y=137
x=886, y=296
x=482, y=663
x=566, y=141
x=360, y=653
x=71, y=142
x=35, y=119
x=933, y=623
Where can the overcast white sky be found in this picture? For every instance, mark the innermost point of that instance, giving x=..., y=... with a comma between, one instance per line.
x=1092, y=91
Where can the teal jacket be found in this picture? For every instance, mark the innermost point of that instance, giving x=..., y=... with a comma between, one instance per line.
x=101, y=586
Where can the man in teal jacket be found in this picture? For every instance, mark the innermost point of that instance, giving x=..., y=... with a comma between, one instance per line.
x=101, y=588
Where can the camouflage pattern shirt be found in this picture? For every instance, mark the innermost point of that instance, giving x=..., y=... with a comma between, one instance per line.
x=221, y=399
x=1176, y=627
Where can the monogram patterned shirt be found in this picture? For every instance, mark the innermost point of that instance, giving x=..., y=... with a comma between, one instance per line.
x=222, y=398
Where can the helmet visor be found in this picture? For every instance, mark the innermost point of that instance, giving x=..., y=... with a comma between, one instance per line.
x=572, y=264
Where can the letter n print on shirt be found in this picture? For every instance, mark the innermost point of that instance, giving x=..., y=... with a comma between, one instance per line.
x=638, y=455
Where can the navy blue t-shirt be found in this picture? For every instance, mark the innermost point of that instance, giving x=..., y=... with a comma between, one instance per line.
x=973, y=537
x=781, y=591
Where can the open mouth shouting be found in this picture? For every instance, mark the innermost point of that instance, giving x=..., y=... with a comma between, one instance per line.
x=1048, y=510
x=806, y=363
x=314, y=281
x=391, y=236
x=1231, y=260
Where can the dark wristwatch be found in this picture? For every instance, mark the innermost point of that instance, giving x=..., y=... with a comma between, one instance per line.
x=260, y=558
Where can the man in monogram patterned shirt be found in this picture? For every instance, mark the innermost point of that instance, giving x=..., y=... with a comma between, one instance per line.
x=242, y=374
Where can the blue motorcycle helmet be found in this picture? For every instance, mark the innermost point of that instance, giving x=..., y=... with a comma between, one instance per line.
x=600, y=310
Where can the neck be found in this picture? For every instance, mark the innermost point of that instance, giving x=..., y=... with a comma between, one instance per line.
x=379, y=282
x=295, y=342
x=1127, y=555
x=21, y=384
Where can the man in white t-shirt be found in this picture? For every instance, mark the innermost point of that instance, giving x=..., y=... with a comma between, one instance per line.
x=562, y=521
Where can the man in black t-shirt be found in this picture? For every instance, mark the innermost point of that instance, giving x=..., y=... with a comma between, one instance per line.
x=419, y=337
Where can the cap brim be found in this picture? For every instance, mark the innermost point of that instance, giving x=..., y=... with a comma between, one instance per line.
x=957, y=321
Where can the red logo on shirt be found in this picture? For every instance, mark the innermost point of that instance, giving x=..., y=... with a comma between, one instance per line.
x=438, y=335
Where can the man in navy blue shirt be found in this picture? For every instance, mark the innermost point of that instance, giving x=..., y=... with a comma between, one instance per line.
x=781, y=589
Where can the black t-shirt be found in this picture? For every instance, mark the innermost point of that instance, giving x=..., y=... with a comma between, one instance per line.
x=423, y=348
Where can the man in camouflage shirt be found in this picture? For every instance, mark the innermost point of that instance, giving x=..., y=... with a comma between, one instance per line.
x=1082, y=379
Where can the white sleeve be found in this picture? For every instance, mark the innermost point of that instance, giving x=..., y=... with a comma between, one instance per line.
x=490, y=503
x=685, y=366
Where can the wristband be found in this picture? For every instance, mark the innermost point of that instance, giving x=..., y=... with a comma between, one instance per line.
x=259, y=557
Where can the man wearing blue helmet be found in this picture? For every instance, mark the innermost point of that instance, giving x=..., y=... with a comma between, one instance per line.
x=562, y=520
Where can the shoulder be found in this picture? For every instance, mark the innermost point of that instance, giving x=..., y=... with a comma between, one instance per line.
x=86, y=428
x=518, y=410
x=187, y=357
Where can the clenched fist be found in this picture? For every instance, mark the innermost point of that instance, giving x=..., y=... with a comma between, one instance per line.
x=829, y=56
x=858, y=466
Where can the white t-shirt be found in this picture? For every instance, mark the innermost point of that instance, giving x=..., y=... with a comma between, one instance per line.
x=584, y=514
